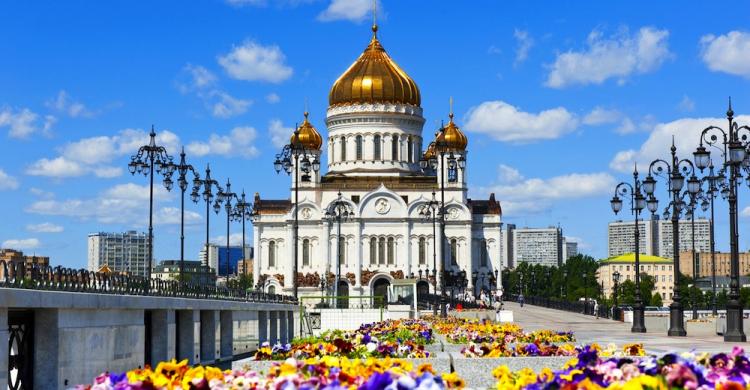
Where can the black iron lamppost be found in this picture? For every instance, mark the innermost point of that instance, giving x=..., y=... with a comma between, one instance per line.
x=712, y=190
x=338, y=211
x=691, y=214
x=295, y=156
x=585, y=293
x=674, y=172
x=182, y=170
x=637, y=204
x=322, y=290
x=148, y=158
x=243, y=210
x=430, y=211
x=732, y=143
x=209, y=185
x=616, y=281
x=225, y=196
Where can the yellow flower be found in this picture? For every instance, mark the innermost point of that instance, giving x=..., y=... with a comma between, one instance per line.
x=452, y=380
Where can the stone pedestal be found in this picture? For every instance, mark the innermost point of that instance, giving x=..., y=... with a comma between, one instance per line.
x=227, y=334
x=163, y=339
x=209, y=322
x=188, y=345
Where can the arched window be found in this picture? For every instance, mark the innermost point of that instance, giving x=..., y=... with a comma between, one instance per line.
x=394, y=148
x=305, y=252
x=483, y=253
x=272, y=254
x=272, y=289
x=410, y=150
x=381, y=251
x=342, y=251
x=376, y=144
x=373, y=251
x=454, y=252
x=343, y=148
x=391, y=250
x=359, y=147
x=422, y=251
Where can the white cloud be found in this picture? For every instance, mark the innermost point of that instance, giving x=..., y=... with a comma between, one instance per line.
x=626, y=127
x=615, y=57
x=600, y=116
x=198, y=77
x=242, y=3
x=239, y=142
x=7, y=182
x=46, y=227
x=745, y=212
x=522, y=196
x=23, y=243
x=252, y=61
x=352, y=10
x=524, y=42
x=686, y=132
x=41, y=193
x=505, y=122
x=91, y=155
x=235, y=239
x=228, y=106
x=280, y=135
x=63, y=104
x=686, y=104
x=273, y=98
x=21, y=123
x=125, y=204
x=727, y=53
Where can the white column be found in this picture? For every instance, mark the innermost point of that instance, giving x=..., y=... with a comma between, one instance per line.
x=331, y=150
x=288, y=263
x=359, y=253
x=258, y=254
x=405, y=251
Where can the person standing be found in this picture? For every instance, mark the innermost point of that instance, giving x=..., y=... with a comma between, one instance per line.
x=520, y=300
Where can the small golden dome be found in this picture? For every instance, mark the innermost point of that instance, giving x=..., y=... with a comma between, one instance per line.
x=307, y=136
x=374, y=78
x=451, y=137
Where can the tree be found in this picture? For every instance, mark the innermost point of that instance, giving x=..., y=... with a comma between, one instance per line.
x=656, y=300
x=626, y=294
x=243, y=282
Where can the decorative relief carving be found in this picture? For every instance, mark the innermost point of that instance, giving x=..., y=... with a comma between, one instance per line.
x=280, y=278
x=306, y=213
x=382, y=206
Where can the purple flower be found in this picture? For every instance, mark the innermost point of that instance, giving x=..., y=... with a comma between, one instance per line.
x=378, y=381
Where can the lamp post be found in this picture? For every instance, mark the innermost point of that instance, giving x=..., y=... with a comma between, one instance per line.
x=339, y=210
x=243, y=210
x=209, y=185
x=616, y=280
x=674, y=172
x=637, y=204
x=225, y=196
x=295, y=156
x=429, y=211
x=733, y=147
x=585, y=293
x=447, y=160
x=691, y=214
x=182, y=170
x=149, y=158
x=712, y=181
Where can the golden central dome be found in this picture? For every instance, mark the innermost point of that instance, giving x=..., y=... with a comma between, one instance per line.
x=307, y=136
x=374, y=78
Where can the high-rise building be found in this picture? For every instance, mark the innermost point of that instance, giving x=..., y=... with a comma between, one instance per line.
x=621, y=237
x=217, y=258
x=506, y=246
x=121, y=252
x=702, y=237
x=538, y=246
x=571, y=249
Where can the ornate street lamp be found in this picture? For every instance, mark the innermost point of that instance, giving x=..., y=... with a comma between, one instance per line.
x=429, y=212
x=637, y=203
x=226, y=196
x=616, y=280
x=338, y=211
x=209, y=185
x=182, y=170
x=732, y=143
x=149, y=158
x=294, y=156
x=243, y=210
x=713, y=181
x=674, y=173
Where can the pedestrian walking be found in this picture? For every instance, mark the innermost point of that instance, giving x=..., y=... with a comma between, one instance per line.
x=520, y=300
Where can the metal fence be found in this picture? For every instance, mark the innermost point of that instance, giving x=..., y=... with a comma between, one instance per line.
x=36, y=277
x=587, y=308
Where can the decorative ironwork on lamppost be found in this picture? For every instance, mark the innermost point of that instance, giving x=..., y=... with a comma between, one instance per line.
x=674, y=173
x=713, y=182
x=149, y=158
x=182, y=169
x=443, y=157
x=209, y=185
x=429, y=212
x=732, y=144
x=243, y=211
x=294, y=156
x=225, y=196
x=637, y=204
x=338, y=211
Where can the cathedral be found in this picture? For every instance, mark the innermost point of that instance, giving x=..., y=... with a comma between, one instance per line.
x=388, y=187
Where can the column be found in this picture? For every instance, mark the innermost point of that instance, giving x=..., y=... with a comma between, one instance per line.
x=288, y=263
x=405, y=252
x=274, y=327
x=258, y=254
x=4, y=335
x=359, y=257
x=291, y=325
x=188, y=345
x=46, y=349
x=163, y=336
x=262, y=327
x=226, y=318
x=208, y=320
x=283, y=324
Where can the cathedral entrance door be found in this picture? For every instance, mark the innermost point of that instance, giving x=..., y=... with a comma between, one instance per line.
x=343, y=303
x=380, y=289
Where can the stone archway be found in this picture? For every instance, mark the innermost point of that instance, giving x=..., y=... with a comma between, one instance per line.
x=380, y=289
x=343, y=291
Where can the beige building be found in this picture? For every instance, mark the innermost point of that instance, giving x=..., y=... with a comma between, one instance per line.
x=704, y=263
x=658, y=267
x=245, y=267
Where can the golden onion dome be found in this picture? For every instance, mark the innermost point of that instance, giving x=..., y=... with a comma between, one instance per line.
x=307, y=136
x=431, y=151
x=374, y=78
x=451, y=137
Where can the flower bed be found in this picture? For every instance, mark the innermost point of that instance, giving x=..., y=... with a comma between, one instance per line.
x=323, y=373
x=462, y=331
x=591, y=370
x=393, y=338
x=499, y=349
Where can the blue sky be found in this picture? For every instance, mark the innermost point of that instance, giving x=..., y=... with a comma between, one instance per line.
x=558, y=100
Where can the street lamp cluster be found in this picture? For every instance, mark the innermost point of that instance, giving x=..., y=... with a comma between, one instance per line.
x=154, y=159
x=732, y=145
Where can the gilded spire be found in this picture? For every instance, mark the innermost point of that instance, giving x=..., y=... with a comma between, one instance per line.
x=306, y=135
x=451, y=137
